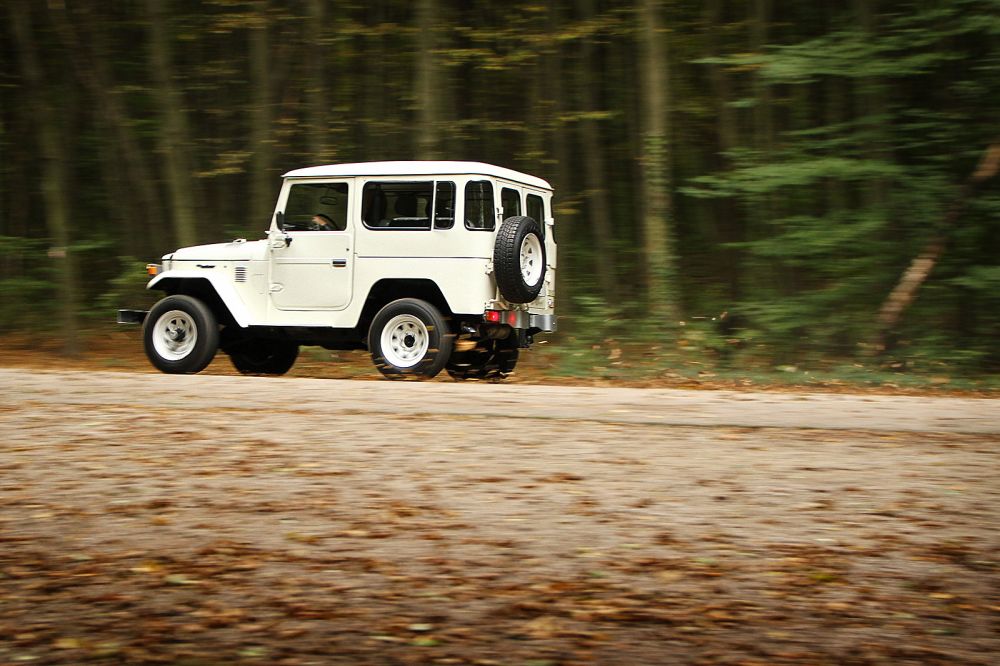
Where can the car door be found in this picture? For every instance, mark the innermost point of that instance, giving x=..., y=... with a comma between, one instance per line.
x=313, y=269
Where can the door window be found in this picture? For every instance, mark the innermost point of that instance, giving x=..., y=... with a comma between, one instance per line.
x=316, y=207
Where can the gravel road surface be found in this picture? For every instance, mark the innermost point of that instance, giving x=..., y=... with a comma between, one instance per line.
x=199, y=520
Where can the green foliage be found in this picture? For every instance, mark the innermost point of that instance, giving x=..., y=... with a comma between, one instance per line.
x=838, y=206
x=26, y=289
x=126, y=290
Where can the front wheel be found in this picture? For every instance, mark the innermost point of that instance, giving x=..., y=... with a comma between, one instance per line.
x=409, y=338
x=180, y=335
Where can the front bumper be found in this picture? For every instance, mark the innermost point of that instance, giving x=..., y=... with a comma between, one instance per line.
x=132, y=316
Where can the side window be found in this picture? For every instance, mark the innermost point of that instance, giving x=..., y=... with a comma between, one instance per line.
x=536, y=210
x=397, y=205
x=316, y=207
x=510, y=201
x=479, y=208
x=444, y=205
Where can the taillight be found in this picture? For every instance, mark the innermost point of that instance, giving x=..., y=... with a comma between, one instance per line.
x=492, y=316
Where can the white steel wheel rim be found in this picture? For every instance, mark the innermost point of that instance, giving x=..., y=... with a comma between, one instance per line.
x=405, y=340
x=531, y=260
x=174, y=335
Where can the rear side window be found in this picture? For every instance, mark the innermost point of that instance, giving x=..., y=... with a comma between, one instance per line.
x=479, y=207
x=397, y=205
x=536, y=210
x=510, y=201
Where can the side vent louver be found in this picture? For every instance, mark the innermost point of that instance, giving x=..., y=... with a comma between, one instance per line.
x=241, y=274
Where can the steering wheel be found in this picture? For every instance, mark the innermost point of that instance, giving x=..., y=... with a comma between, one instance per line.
x=321, y=222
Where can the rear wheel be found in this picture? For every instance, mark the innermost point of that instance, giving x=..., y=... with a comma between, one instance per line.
x=180, y=335
x=409, y=338
x=264, y=357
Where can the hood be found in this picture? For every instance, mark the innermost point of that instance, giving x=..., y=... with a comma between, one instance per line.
x=232, y=251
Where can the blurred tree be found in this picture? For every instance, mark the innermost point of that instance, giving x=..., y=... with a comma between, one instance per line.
x=597, y=208
x=139, y=207
x=174, y=137
x=428, y=89
x=317, y=104
x=660, y=263
x=43, y=97
x=261, y=142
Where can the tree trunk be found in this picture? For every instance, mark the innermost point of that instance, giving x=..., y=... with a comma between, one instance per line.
x=761, y=139
x=595, y=173
x=428, y=82
x=658, y=248
x=54, y=171
x=728, y=220
x=920, y=268
x=873, y=106
x=566, y=223
x=261, y=143
x=375, y=111
x=316, y=100
x=174, y=136
x=763, y=117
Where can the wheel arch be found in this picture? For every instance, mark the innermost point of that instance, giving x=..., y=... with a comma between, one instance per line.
x=387, y=290
x=226, y=307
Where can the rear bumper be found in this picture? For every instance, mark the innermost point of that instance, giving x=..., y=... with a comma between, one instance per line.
x=547, y=323
x=132, y=316
x=519, y=319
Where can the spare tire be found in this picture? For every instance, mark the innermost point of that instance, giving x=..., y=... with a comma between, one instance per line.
x=519, y=259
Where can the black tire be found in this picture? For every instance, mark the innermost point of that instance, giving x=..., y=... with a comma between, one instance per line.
x=263, y=357
x=491, y=359
x=180, y=335
x=409, y=339
x=511, y=265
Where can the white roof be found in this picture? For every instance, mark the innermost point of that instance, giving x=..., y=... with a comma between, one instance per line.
x=415, y=168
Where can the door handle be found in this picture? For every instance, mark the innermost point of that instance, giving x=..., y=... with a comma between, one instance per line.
x=339, y=263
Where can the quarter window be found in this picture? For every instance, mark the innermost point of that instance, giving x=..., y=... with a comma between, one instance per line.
x=536, y=210
x=479, y=208
x=316, y=207
x=510, y=201
x=444, y=205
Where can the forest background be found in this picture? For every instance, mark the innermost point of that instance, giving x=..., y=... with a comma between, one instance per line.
x=739, y=183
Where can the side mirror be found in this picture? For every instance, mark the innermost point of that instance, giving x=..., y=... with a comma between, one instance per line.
x=279, y=217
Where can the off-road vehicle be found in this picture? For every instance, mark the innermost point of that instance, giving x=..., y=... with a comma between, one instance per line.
x=428, y=265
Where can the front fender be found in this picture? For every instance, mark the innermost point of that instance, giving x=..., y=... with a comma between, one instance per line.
x=195, y=283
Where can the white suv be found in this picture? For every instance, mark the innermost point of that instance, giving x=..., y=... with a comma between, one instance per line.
x=428, y=265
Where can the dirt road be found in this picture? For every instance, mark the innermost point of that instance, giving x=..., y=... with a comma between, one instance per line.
x=215, y=520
